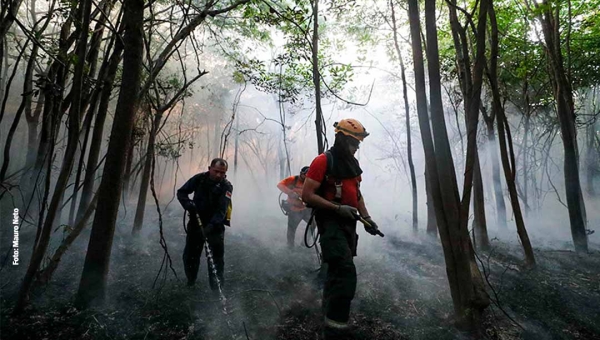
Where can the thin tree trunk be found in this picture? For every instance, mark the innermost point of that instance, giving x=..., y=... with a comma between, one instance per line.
x=54, y=85
x=46, y=274
x=593, y=150
x=216, y=139
x=84, y=141
x=470, y=84
x=25, y=101
x=3, y=66
x=281, y=160
x=317, y=78
x=90, y=101
x=32, y=129
x=237, y=144
x=504, y=138
x=63, y=177
x=525, y=147
x=141, y=204
x=509, y=175
x=563, y=96
x=432, y=229
x=95, y=271
x=128, y=184
x=498, y=194
x=8, y=14
x=482, y=240
x=94, y=154
x=32, y=118
x=411, y=165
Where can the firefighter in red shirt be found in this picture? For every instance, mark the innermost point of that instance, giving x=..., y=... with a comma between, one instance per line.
x=295, y=208
x=332, y=187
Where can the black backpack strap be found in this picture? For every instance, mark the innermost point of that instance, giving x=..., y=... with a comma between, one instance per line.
x=295, y=181
x=328, y=172
x=329, y=158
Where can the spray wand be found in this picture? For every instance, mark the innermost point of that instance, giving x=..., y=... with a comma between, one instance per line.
x=368, y=225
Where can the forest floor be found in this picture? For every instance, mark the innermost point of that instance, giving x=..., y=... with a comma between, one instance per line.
x=272, y=292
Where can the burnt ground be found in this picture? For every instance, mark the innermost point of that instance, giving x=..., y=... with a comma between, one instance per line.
x=272, y=293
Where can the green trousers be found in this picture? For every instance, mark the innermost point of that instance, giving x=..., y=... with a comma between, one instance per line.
x=338, y=244
x=294, y=218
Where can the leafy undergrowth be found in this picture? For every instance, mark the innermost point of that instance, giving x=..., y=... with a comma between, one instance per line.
x=272, y=293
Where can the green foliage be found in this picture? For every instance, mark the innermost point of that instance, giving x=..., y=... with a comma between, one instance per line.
x=289, y=72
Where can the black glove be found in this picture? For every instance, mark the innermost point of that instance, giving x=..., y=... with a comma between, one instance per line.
x=372, y=228
x=347, y=211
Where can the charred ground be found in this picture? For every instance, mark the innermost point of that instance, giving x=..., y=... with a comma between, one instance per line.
x=272, y=293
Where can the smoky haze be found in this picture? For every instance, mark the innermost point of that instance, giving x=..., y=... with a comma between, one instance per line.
x=271, y=290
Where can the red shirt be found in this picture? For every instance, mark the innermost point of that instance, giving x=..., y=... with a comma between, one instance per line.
x=350, y=186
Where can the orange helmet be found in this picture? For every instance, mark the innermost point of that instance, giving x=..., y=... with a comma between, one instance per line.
x=351, y=127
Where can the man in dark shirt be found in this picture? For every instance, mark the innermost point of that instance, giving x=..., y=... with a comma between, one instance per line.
x=211, y=201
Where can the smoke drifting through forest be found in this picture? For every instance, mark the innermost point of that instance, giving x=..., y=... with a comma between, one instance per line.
x=78, y=78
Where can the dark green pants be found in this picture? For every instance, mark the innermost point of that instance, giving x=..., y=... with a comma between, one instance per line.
x=338, y=244
x=194, y=243
x=294, y=218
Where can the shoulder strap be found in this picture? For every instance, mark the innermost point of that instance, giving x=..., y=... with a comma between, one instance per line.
x=329, y=157
x=328, y=177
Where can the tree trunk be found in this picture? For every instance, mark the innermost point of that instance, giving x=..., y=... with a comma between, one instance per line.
x=25, y=102
x=592, y=168
x=470, y=81
x=498, y=194
x=281, y=159
x=317, y=78
x=504, y=139
x=84, y=143
x=94, y=154
x=3, y=66
x=482, y=241
x=63, y=177
x=565, y=110
x=237, y=144
x=46, y=274
x=526, y=127
x=141, y=204
x=33, y=120
x=8, y=13
x=95, y=271
x=216, y=140
x=128, y=184
x=443, y=184
x=411, y=165
x=432, y=229
x=54, y=86
x=32, y=117
x=90, y=101
x=509, y=175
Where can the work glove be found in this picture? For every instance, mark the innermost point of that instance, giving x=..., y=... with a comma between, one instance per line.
x=295, y=195
x=347, y=212
x=373, y=229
